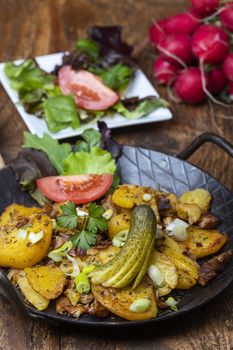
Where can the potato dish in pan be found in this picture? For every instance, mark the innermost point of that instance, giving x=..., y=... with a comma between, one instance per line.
x=125, y=254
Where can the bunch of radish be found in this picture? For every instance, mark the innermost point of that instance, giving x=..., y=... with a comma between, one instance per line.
x=196, y=51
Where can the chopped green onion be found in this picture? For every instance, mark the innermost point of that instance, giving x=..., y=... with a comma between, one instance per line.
x=58, y=254
x=88, y=269
x=155, y=275
x=35, y=237
x=22, y=234
x=108, y=214
x=81, y=213
x=178, y=228
x=140, y=305
x=120, y=239
x=146, y=197
x=54, y=223
x=76, y=269
x=172, y=303
x=82, y=284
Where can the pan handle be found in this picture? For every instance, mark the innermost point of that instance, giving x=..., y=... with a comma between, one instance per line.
x=200, y=140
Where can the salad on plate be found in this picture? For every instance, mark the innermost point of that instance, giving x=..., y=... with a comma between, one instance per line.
x=88, y=85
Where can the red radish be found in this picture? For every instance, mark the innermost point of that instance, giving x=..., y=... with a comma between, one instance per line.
x=157, y=32
x=164, y=71
x=210, y=44
x=194, y=13
x=228, y=67
x=183, y=23
x=231, y=90
x=188, y=86
x=226, y=16
x=205, y=7
x=176, y=48
x=217, y=80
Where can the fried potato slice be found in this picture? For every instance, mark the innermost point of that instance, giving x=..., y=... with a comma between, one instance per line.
x=199, y=196
x=202, y=242
x=18, y=252
x=185, y=280
x=48, y=280
x=189, y=212
x=118, y=301
x=125, y=196
x=128, y=196
x=97, y=256
x=168, y=270
x=174, y=252
x=34, y=298
x=118, y=223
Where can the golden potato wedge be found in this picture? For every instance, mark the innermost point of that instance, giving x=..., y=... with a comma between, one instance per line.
x=118, y=223
x=168, y=270
x=48, y=280
x=199, y=196
x=174, y=252
x=185, y=280
x=18, y=252
x=202, y=242
x=140, y=200
x=125, y=196
x=96, y=256
x=164, y=290
x=34, y=298
x=118, y=301
x=189, y=212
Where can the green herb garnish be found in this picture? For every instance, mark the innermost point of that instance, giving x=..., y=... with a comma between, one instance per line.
x=69, y=217
x=95, y=222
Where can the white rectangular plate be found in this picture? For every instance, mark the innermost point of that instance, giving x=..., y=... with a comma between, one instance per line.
x=139, y=86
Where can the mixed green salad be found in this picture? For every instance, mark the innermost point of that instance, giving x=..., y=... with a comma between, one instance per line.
x=44, y=167
x=88, y=85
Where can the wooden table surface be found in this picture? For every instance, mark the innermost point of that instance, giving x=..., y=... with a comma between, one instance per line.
x=37, y=27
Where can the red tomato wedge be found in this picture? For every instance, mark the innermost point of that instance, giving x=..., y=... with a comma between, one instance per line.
x=89, y=90
x=76, y=188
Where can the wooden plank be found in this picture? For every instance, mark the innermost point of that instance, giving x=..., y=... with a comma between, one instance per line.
x=29, y=28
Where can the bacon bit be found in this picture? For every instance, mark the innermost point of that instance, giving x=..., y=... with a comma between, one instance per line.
x=97, y=310
x=58, y=242
x=86, y=299
x=210, y=268
x=50, y=210
x=63, y=305
x=208, y=221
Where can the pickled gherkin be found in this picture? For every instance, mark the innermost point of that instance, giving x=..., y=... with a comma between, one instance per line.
x=132, y=261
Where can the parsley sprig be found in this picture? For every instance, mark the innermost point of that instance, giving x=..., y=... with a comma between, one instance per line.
x=94, y=222
x=69, y=217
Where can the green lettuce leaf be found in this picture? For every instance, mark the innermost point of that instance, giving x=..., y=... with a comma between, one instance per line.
x=61, y=112
x=90, y=138
x=117, y=77
x=97, y=161
x=55, y=151
x=88, y=46
x=27, y=76
x=141, y=107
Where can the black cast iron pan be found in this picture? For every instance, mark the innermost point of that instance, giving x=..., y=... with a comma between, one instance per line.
x=148, y=168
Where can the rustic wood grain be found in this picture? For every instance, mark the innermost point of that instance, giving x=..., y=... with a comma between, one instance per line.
x=37, y=27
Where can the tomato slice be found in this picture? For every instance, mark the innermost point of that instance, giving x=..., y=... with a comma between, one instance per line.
x=89, y=90
x=76, y=188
